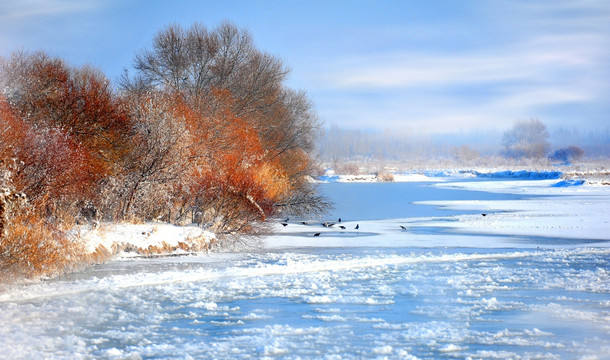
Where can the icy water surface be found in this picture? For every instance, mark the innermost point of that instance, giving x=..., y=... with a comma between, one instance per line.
x=348, y=302
x=375, y=201
x=322, y=303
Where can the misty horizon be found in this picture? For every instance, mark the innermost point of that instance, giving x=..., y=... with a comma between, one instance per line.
x=339, y=143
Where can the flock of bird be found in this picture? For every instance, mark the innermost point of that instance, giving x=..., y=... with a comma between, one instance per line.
x=327, y=224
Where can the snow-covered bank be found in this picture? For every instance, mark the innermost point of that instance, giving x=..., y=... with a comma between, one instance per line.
x=377, y=178
x=594, y=175
x=575, y=212
x=128, y=240
x=431, y=176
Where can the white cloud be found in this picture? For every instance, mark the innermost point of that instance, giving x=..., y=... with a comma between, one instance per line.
x=539, y=59
x=480, y=88
x=16, y=11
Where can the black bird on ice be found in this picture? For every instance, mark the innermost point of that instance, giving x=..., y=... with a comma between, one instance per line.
x=357, y=227
x=316, y=234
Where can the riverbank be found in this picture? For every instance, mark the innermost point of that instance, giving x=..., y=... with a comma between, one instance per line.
x=129, y=240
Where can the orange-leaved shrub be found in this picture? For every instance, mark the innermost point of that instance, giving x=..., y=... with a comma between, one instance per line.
x=33, y=246
x=205, y=132
x=32, y=243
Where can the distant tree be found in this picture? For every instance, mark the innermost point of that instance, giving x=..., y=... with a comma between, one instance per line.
x=526, y=139
x=464, y=154
x=567, y=155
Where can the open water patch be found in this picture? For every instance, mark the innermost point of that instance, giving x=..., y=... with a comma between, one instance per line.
x=375, y=201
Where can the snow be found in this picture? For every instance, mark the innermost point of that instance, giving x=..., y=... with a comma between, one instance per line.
x=368, y=178
x=136, y=239
x=520, y=174
x=566, y=183
x=578, y=213
x=415, y=178
x=438, y=175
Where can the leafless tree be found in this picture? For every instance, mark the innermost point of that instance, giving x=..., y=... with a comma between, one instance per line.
x=199, y=63
x=526, y=139
x=157, y=160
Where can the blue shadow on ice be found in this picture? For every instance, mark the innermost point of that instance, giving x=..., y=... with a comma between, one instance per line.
x=567, y=183
x=522, y=174
x=329, y=178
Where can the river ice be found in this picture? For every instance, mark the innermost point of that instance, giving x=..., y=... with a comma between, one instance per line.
x=454, y=284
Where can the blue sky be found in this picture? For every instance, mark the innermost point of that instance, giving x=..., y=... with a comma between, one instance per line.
x=412, y=66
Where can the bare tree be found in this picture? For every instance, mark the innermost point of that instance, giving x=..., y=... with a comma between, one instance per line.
x=526, y=139
x=220, y=71
x=157, y=160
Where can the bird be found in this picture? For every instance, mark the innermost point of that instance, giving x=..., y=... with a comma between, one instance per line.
x=316, y=234
x=342, y=227
x=303, y=222
x=357, y=227
x=339, y=220
x=484, y=214
x=284, y=224
x=402, y=227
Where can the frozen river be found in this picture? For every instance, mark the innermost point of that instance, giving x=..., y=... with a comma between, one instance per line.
x=376, y=292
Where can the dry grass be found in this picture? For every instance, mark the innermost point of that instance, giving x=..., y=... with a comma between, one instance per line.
x=385, y=177
x=32, y=247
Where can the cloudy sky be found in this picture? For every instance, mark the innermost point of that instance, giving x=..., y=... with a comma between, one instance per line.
x=420, y=66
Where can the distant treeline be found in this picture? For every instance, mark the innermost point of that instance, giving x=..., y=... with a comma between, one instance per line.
x=342, y=144
x=203, y=130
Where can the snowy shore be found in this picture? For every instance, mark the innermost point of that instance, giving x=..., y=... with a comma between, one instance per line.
x=149, y=239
